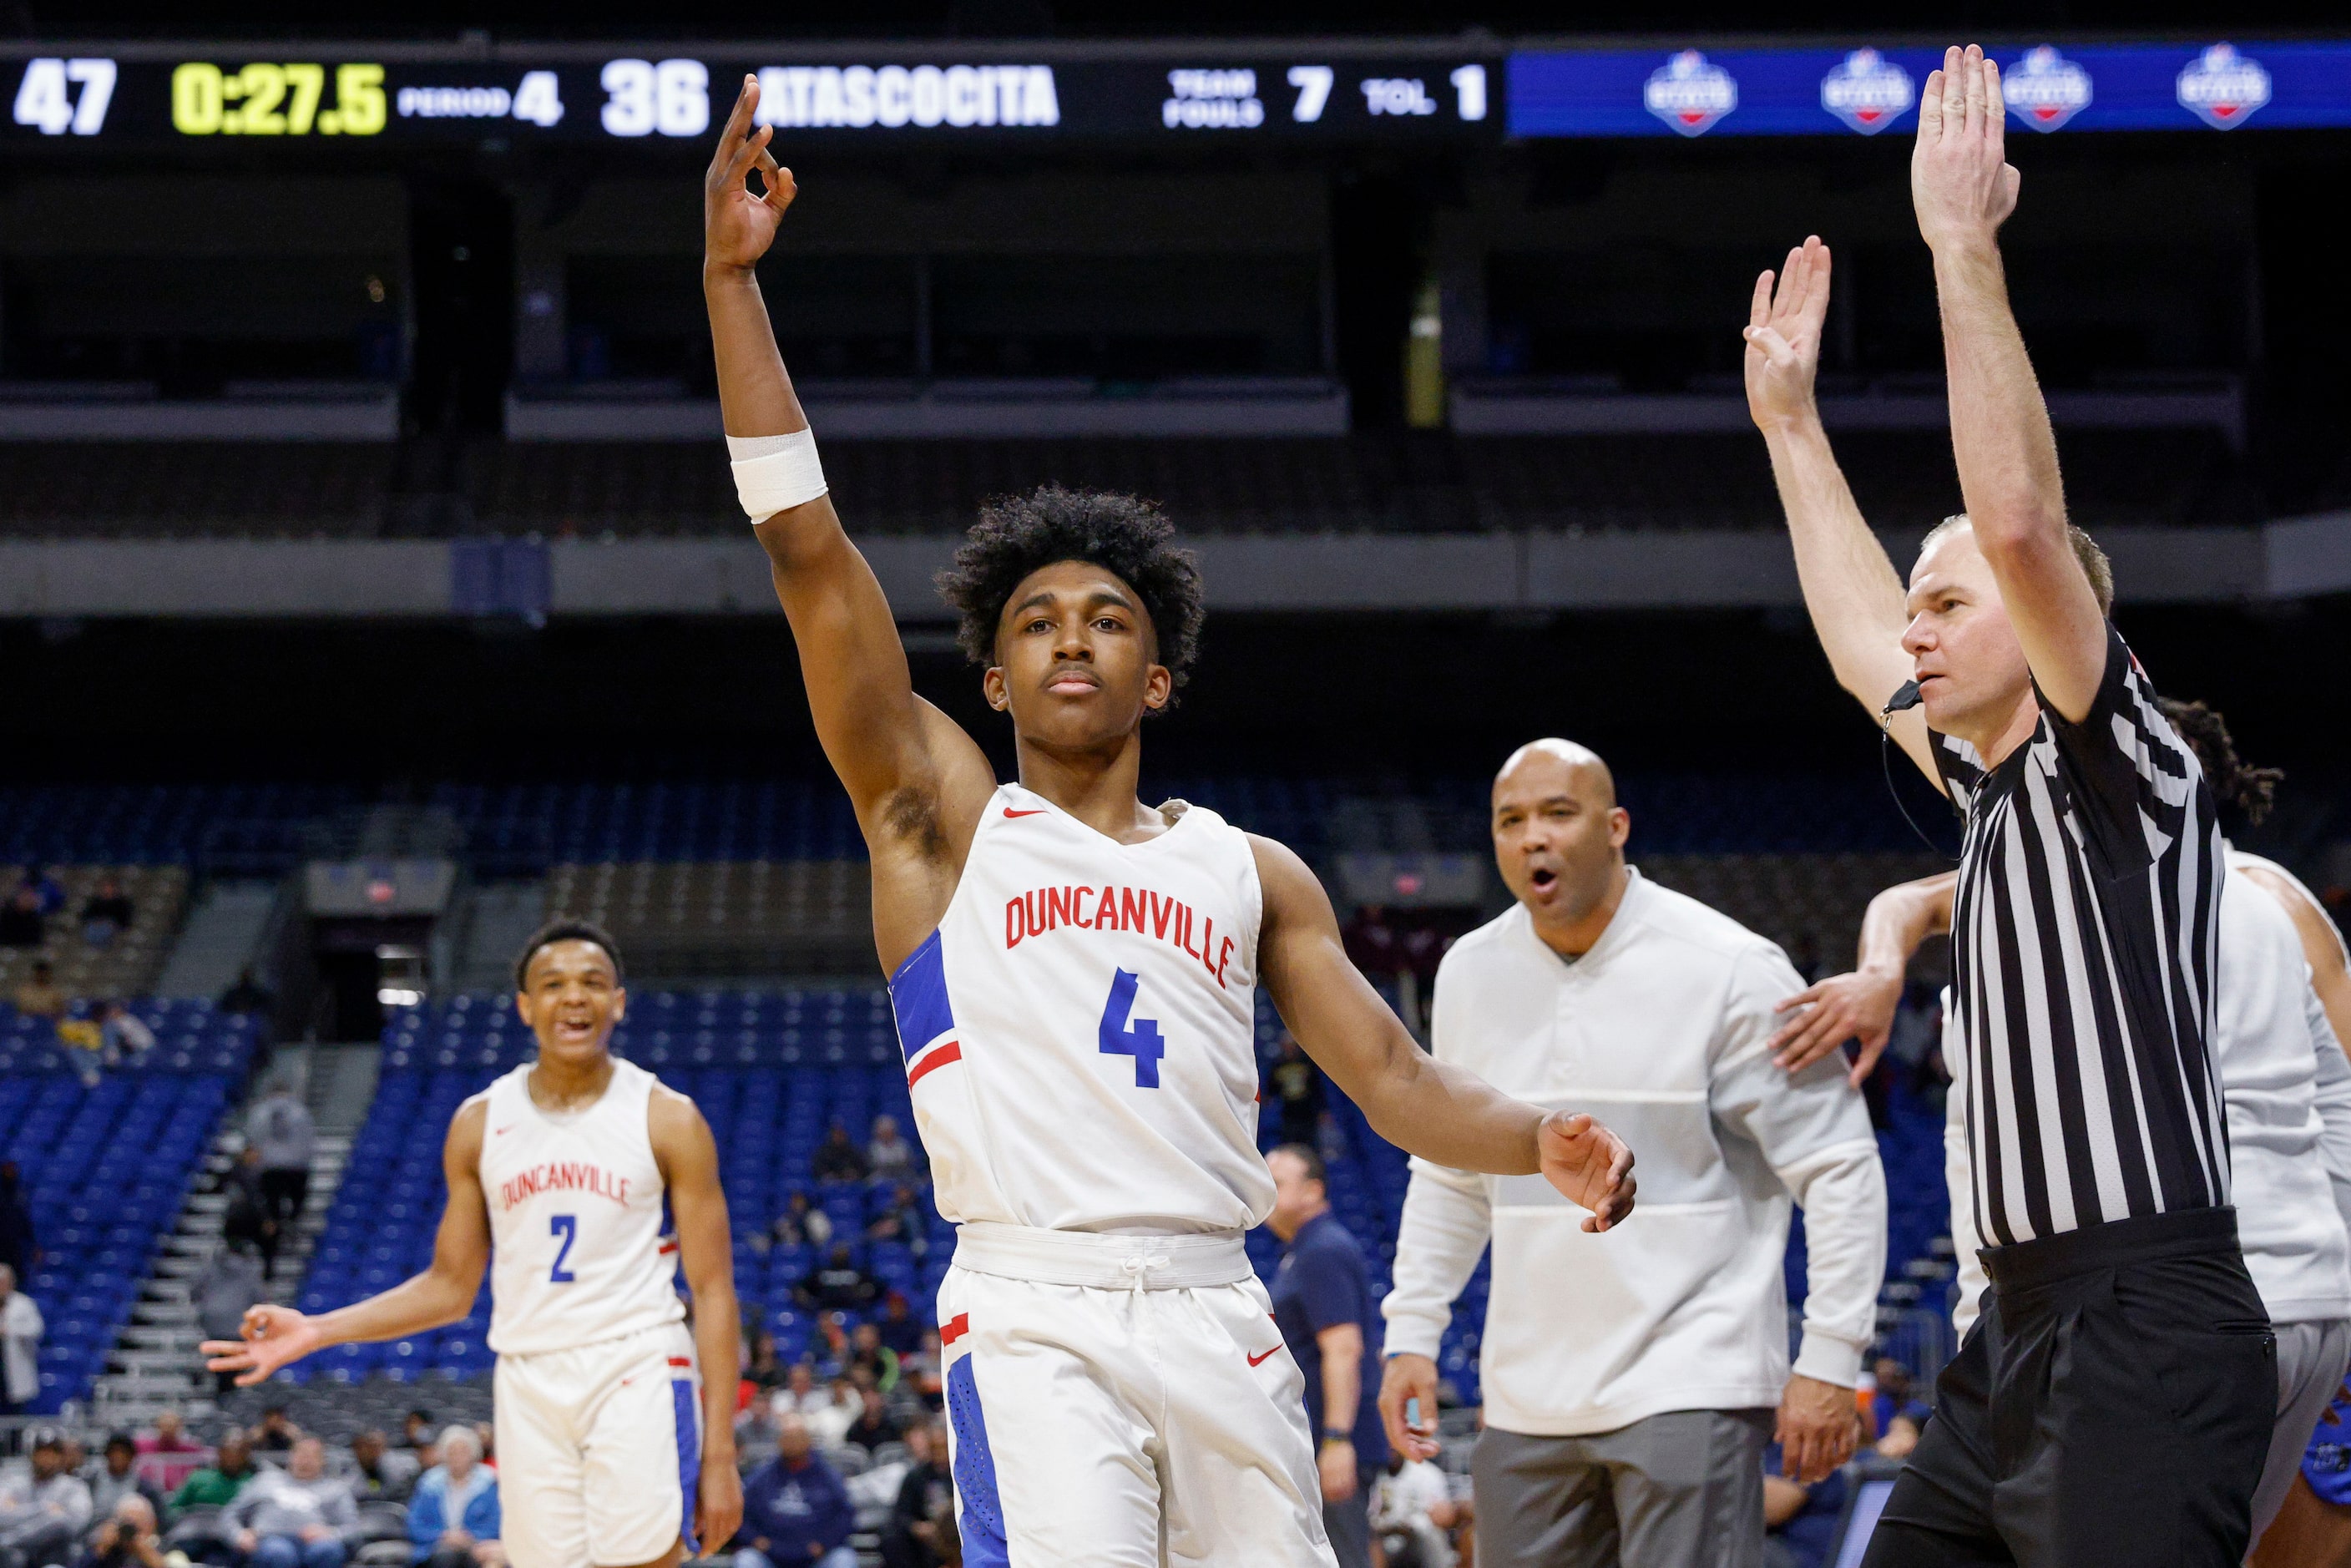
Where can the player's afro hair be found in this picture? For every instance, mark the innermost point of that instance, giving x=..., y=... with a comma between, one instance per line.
x=1127, y=537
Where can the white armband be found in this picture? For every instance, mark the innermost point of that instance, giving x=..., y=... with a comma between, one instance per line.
x=776, y=472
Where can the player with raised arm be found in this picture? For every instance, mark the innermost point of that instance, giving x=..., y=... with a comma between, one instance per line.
x=1073, y=973
x=614, y=1451
x=2122, y=1332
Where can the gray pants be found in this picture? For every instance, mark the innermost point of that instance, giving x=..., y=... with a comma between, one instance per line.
x=1684, y=1489
x=2311, y=1361
x=1349, y=1526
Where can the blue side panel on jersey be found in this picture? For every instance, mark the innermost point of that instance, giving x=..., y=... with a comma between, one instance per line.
x=981, y=1515
x=689, y=1458
x=918, y=993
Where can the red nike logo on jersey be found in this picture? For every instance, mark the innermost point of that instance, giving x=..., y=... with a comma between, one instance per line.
x=1032, y=811
x=1260, y=1359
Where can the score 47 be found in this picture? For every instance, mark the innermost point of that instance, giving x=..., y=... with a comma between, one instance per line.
x=60, y=95
x=1400, y=96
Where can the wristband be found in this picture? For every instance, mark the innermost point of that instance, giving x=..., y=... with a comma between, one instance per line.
x=773, y=473
x=1329, y=1437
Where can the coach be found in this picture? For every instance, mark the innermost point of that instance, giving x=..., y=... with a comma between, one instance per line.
x=1631, y=1377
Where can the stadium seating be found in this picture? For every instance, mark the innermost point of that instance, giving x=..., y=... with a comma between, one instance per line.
x=106, y=1167
x=127, y=963
x=236, y=830
x=1429, y=482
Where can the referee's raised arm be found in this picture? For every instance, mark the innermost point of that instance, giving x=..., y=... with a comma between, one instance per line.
x=1964, y=189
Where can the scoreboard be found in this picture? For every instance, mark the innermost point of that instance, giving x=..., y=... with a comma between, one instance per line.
x=147, y=95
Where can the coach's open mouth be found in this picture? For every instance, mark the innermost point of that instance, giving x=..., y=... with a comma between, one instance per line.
x=1543, y=878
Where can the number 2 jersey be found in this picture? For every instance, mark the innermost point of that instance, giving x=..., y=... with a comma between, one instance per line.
x=1081, y=1029
x=577, y=1251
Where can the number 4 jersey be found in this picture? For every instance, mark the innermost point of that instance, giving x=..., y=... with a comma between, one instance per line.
x=1081, y=1029
x=577, y=1252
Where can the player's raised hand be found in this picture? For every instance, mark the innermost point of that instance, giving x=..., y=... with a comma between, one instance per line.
x=736, y=226
x=273, y=1337
x=1783, y=336
x=1960, y=181
x=1589, y=1164
x=1859, y=1005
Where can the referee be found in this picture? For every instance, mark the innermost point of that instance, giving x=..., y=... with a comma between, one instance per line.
x=2113, y=1403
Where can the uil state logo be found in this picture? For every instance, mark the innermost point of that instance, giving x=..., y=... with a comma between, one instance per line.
x=1689, y=94
x=2045, y=89
x=2222, y=88
x=1867, y=92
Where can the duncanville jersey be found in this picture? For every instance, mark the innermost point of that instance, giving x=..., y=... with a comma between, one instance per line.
x=1081, y=1029
x=577, y=1254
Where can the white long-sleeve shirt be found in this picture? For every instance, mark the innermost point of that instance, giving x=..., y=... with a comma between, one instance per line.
x=1661, y=1031
x=2286, y=1087
x=20, y=1346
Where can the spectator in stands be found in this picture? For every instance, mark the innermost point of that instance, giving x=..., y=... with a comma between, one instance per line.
x=21, y=925
x=763, y=1371
x=128, y=1539
x=117, y=1476
x=801, y=1395
x=922, y=1371
x=927, y=1487
x=280, y=1125
x=218, y=1484
x=21, y=1328
x=1655, y=1410
x=250, y=1218
x=177, y=1455
x=873, y=1426
x=1799, y=1522
x=1322, y=1305
x=1899, y=1416
x=870, y=1360
x=87, y=1044
x=43, y=1509
x=381, y=1473
x=294, y=1518
x=837, y=1159
x=803, y=1223
x=795, y=1509
x=19, y=1251
x=276, y=1432
x=232, y=1281
x=898, y=1328
x=416, y=1435
x=827, y=1427
x=455, y=1520
x=106, y=914
x=902, y=1221
x=123, y=1035
x=888, y=1157
x=837, y=1284
x=1413, y=1514
x=1297, y=1086
x=38, y=996
x=248, y=996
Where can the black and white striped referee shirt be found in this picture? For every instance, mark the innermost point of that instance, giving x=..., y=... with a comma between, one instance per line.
x=2083, y=942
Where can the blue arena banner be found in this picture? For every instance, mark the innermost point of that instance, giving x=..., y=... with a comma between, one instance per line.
x=1864, y=91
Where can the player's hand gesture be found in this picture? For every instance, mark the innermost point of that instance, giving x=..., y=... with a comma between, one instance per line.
x=273, y=1337
x=1859, y=1005
x=1783, y=336
x=1589, y=1164
x=1960, y=181
x=736, y=226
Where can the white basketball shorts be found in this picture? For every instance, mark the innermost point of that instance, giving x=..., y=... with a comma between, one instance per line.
x=600, y=1451
x=1123, y=1401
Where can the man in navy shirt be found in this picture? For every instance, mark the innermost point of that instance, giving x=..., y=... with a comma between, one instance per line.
x=1330, y=1320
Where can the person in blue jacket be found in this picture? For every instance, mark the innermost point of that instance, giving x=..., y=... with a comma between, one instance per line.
x=453, y=1517
x=796, y=1512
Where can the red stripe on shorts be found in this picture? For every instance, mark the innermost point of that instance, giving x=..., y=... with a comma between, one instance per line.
x=951, y=1052
x=680, y=1361
x=954, y=1329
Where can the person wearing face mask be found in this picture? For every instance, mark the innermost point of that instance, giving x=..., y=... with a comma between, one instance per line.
x=1633, y=1380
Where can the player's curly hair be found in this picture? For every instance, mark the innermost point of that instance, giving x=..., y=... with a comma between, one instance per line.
x=1124, y=535
x=2253, y=790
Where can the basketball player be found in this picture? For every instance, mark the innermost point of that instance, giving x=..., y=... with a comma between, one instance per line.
x=2123, y=1331
x=612, y=1450
x=1073, y=973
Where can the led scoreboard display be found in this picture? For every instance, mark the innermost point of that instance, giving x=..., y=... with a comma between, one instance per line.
x=150, y=94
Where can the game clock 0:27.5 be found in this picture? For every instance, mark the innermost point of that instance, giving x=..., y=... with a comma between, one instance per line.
x=268, y=99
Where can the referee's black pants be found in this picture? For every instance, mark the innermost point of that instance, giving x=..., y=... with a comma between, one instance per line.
x=2112, y=1405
